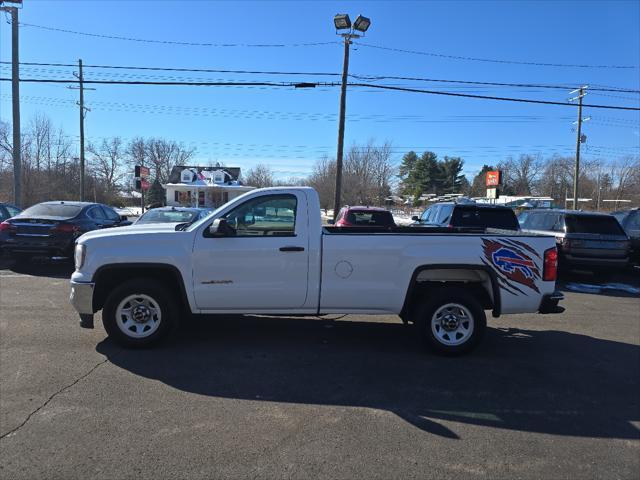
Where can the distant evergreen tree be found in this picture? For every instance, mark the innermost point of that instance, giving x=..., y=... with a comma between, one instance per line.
x=448, y=176
x=418, y=175
x=156, y=194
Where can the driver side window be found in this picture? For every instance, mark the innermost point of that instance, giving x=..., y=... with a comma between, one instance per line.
x=272, y=215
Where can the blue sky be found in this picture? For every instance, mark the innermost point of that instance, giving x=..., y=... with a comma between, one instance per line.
x=290, y=129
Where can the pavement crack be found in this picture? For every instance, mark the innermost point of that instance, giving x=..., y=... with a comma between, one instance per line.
x=52, y=396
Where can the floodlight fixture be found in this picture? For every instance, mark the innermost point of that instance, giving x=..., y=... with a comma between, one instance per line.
x=342, y=21
x=362, y=23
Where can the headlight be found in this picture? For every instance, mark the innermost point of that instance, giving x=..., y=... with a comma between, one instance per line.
x=80, y=254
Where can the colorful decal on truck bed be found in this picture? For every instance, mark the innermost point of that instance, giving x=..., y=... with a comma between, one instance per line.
x=511, y=264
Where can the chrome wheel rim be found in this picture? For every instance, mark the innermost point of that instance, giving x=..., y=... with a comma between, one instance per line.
x=138, y=316
x=452, y=324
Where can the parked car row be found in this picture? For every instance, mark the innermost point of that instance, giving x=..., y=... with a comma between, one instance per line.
x=51, y=228
x=584, y=239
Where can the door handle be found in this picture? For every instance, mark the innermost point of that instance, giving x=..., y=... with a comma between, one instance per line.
x=292, y=249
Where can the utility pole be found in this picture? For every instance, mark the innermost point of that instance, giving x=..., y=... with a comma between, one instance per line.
x=598, y=201
x=579, y=140
x=342, y=23
x=343, y=105
x=83, y=111
x=15, y=99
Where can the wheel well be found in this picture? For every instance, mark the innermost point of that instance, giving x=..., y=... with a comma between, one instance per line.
x=109, y=277
x=477, y=281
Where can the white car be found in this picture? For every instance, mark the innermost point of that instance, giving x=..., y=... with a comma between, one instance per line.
x=266, y=252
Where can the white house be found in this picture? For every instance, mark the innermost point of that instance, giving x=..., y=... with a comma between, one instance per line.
x=203, y=186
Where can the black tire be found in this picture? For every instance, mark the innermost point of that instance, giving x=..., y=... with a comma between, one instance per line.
x=160, y=297
x=440, y=298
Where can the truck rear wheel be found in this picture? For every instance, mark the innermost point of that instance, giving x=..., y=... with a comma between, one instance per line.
x=139, y=313
x=451, y=321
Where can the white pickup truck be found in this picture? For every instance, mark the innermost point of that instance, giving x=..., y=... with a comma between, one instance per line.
x=267, y=252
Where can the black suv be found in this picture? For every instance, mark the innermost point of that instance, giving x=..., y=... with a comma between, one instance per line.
x=468, y=215
x=630, y=221
x=584, y=239
x=51, y=228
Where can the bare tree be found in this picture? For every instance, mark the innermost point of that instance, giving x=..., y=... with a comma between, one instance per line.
x=519, y=175
x=163, y=155
x=6, y=152
x=291, y=182
x=259, y=176
x=368, y=173
x=323, y=180
x=40, y=130
x=625, y=174
x=107, y=162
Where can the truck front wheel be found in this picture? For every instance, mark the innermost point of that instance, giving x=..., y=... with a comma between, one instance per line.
x=139, y=313
x=451, y=321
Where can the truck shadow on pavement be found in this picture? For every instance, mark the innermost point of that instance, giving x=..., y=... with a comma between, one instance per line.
x=537, y=381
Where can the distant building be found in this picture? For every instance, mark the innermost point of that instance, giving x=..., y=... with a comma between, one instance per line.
x=203, y=186
x=516, y=201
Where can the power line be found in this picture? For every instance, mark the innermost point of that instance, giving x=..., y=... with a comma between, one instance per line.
x=307, y=85
x=492, y=60
x=635, y=99
x=280, y=45
x=485, y=97
x=171, y=42
x=177, y=69
x=498, y=84
x=280, y=115
x=193, y=84
x=356, y=76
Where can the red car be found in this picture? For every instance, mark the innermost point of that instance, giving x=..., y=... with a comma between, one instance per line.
x=364, y=217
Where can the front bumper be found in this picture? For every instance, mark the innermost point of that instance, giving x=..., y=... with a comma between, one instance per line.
x=82, y=300
x=549, y=303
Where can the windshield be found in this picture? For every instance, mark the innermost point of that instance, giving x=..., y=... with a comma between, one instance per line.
x=52, y=210
x=169, y=216
x=203, y=218
x=601, y=224
x=371, y=218
x=502, y=218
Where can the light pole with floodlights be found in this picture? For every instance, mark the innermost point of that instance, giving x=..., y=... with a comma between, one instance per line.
x=346, y=30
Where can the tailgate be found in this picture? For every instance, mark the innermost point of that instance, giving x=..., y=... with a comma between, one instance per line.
x=597, y=246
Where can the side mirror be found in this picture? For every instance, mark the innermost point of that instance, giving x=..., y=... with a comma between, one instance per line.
x=123, y=218
x=220, y=228
x=331, y=222
x=415, y=218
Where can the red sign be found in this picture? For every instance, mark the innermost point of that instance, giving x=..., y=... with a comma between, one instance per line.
x=142, y=184
x=142, y=172
x=494, y=178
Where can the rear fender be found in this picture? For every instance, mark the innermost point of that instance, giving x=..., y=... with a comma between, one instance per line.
x=479, y=276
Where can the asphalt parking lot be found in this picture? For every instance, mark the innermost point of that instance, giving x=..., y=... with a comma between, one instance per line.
x=554, y=396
